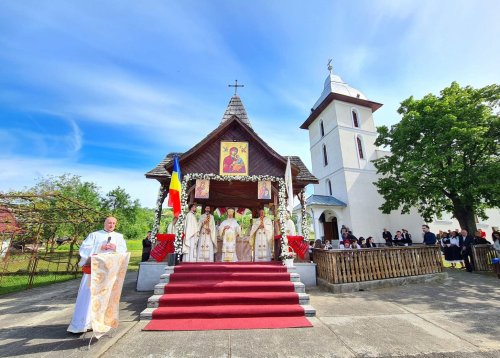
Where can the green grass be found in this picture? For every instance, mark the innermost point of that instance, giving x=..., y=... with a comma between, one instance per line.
x=17, y=283
x=133, y=245
x=14, y=276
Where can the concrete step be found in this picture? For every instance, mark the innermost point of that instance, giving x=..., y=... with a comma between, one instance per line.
x=147, y=314
x=165, y=278
x=309, y=310
x=299, y=287
x=153, y=301
x=159, y=289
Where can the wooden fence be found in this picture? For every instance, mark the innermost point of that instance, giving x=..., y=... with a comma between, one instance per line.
x=344, y=266
x=482, y=255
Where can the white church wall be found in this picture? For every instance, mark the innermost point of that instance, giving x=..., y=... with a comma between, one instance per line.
x=365, y=116
x=412, y=222
x=366, y=219
x=448, y=223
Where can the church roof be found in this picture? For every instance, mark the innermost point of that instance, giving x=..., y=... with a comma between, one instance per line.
x=160, y=171
x=335, y=84
x=236, y=108
x=336, y=89
x=324, y=200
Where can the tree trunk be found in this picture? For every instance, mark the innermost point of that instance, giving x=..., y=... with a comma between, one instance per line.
x=466, y=218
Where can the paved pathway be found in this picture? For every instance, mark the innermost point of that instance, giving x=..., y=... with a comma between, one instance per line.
x=457, y=318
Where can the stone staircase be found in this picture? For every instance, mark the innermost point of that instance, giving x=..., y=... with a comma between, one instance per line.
x=159, y=291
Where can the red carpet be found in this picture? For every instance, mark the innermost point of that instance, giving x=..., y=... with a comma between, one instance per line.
x=228, y=296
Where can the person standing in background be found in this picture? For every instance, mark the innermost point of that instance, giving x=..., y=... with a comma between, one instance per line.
x=146, y=247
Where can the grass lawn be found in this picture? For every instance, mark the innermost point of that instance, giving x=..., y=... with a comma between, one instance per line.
x=14, y=274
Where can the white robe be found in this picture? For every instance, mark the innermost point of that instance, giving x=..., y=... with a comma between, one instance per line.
x=229, y=239
x=82, y=321
x=190, y=238
x=290, y=228
x=261, y=239
x=207, y=240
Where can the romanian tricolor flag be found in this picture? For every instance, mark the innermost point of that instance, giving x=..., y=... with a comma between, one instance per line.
x=174, y=191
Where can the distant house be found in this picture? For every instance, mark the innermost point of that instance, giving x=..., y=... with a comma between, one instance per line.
x=8, y=228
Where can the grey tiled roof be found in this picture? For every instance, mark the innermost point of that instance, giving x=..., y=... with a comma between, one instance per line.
x=159, y=171
x=325, y=200
x=304, y=173
x=236, y=108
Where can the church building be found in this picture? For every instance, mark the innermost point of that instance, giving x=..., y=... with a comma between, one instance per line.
x=342, y=136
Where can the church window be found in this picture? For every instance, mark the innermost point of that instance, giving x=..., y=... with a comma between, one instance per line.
x=355, y=120
x=325, y=156
x=322, y=129
x=329, y=186
x=360, y=148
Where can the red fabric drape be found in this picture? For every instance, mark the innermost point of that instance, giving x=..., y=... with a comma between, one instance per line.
x=297, y=244
x=164, y=247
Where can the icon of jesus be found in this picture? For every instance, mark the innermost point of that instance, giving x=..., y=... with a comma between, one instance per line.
x=233, y=163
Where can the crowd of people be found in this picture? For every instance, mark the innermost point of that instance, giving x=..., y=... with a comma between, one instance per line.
x=456, y=245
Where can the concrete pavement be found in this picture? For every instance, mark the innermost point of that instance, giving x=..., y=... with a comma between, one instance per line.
x=457, y=318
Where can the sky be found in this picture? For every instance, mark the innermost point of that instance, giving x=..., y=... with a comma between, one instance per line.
x=105, y=89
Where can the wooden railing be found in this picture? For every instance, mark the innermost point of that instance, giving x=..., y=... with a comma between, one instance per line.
x=344, y=266
x=482, y=255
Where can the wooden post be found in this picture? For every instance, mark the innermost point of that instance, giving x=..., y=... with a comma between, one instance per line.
x=162, y=194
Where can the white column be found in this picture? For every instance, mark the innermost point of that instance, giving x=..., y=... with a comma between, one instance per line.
x=317, y=225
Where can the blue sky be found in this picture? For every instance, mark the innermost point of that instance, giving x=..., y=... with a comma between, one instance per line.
x=104, y=89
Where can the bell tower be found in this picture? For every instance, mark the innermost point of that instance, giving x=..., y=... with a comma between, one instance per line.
x=342, y=138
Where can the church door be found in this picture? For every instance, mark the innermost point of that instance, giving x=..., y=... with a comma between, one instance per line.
x=327, y=229
x=335, y=229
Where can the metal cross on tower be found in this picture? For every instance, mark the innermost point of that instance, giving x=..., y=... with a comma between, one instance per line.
x=236, y=85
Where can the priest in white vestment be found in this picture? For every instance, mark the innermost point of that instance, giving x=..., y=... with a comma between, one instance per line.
x=102, y=241
x=190, y=236
x=171, y=226
x=208, y=239
x=261, y=237
x=289, y=226
x=229, y=230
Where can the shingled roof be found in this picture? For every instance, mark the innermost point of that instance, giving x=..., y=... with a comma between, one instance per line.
x=236, y=108
x=159, y=172
x=235, y=113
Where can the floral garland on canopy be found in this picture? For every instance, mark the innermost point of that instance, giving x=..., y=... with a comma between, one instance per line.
x=179, y=228
x=303, y=221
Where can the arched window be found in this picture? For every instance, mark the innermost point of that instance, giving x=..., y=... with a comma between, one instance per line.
x=329, y=187
x=325, y=156
x=355, y=120
x=360, y=148
x=322, y=129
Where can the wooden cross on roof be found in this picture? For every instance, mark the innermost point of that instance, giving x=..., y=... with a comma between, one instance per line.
x=236, y=85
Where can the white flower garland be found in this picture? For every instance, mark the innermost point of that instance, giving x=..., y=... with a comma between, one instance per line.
x=303, y=221
x=179, y=228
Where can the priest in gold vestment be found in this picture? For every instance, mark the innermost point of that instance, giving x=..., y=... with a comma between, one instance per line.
x=229, y=230
x=261, y=237
x=207, y=237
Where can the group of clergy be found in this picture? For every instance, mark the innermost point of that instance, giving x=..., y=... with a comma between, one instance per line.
x=200, y=236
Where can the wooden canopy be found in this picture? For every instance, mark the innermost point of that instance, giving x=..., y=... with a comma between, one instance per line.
x=204, y=158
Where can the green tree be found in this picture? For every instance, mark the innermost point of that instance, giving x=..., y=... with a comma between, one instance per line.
x=445, y=155
x=118, y=203
x=78, y=196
